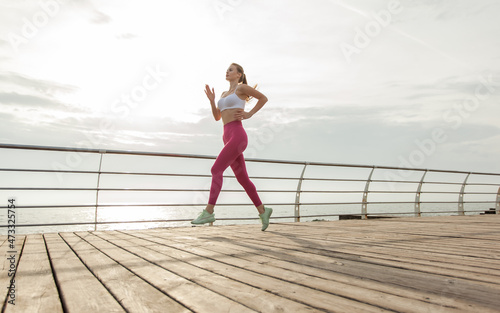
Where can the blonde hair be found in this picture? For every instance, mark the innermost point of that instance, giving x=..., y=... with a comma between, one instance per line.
x=243, y=78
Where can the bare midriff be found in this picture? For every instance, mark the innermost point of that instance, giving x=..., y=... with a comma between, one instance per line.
x=228, y=115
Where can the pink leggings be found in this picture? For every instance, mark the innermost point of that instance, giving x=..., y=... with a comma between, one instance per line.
x=235, y=142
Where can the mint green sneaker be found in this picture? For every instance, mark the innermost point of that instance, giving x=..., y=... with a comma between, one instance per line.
x=204, y=217
x=264, y=217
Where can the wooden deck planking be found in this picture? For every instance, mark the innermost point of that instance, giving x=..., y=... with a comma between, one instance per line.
x=36, y=289
x=183, y=290
x=431, y=264
x=285, y=288
x=79, y=289
x=393, y=257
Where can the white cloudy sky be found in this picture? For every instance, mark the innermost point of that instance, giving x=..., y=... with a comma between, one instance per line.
x=377, y=82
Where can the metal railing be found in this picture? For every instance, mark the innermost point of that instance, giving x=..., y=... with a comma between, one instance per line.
x=393, y=184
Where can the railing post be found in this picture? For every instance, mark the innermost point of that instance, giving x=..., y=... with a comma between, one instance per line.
x=417, y=197
x=297, y=195
x=461, y=210
x=101, y=152
x=364, y=205
x=498, y=202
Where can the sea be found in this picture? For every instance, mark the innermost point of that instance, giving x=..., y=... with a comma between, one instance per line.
x=141, y=191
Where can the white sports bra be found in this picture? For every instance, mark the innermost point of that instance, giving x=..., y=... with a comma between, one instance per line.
x=231, y=102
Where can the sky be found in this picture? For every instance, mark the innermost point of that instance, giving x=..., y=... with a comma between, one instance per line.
x=388, y=83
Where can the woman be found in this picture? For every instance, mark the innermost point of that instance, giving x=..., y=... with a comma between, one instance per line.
x=231, y=109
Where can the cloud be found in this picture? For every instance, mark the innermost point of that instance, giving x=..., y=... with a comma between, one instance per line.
x=320, y=108
x=350, y=135
x=16, y=81
x=99, y=17
x=20, y=94
x=27, y=100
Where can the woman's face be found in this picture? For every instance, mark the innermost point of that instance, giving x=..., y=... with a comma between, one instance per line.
x=232, y=73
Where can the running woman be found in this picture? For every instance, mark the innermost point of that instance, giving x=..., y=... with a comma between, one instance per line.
x=231, y=109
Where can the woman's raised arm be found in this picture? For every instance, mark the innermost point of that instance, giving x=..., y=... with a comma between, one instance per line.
x=211, y=96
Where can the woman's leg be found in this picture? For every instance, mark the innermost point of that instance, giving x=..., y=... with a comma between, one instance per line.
x=240, y=171
x=235, y=140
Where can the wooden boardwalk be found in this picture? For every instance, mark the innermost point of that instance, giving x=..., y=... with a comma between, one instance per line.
x=431, y=264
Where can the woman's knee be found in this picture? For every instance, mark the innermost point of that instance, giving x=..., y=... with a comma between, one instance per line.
x=215, y=170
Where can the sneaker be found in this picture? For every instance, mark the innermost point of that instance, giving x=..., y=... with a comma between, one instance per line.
x=204, y=217
x=264, y=217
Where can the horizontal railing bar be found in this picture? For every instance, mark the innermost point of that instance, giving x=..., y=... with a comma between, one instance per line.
x=61, y=206
x=483, y=184
x=380, y=192
x=231, y=176
x=395, y=202
x=234, y=204
x=46, y=171
x=236, y=190
x=131, y=189
x=413, y=182
x=334, y=179
x=142, y=153
x=136, y=174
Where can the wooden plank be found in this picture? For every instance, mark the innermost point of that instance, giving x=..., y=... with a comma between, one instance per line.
x=390, y=301
x=422, y=248
x=351, y=253
x=313, y=297
x=254, y=298
x=190, y=294
x=396, y=298
x=435, y=264
x=420, y=251
x=298, y=250
x=135, y=294
x=434, y=258
x=369, y=291
x=80, y=291
x=35, y=287
x=10, y=252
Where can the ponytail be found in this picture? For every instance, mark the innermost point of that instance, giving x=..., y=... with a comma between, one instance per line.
x=243, y=78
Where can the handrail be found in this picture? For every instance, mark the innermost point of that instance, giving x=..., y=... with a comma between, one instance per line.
x=314, y=197
x=199, y=156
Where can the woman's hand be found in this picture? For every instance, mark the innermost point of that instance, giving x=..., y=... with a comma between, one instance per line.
x=242, y=115
x=210, y=93
x=211, y=96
